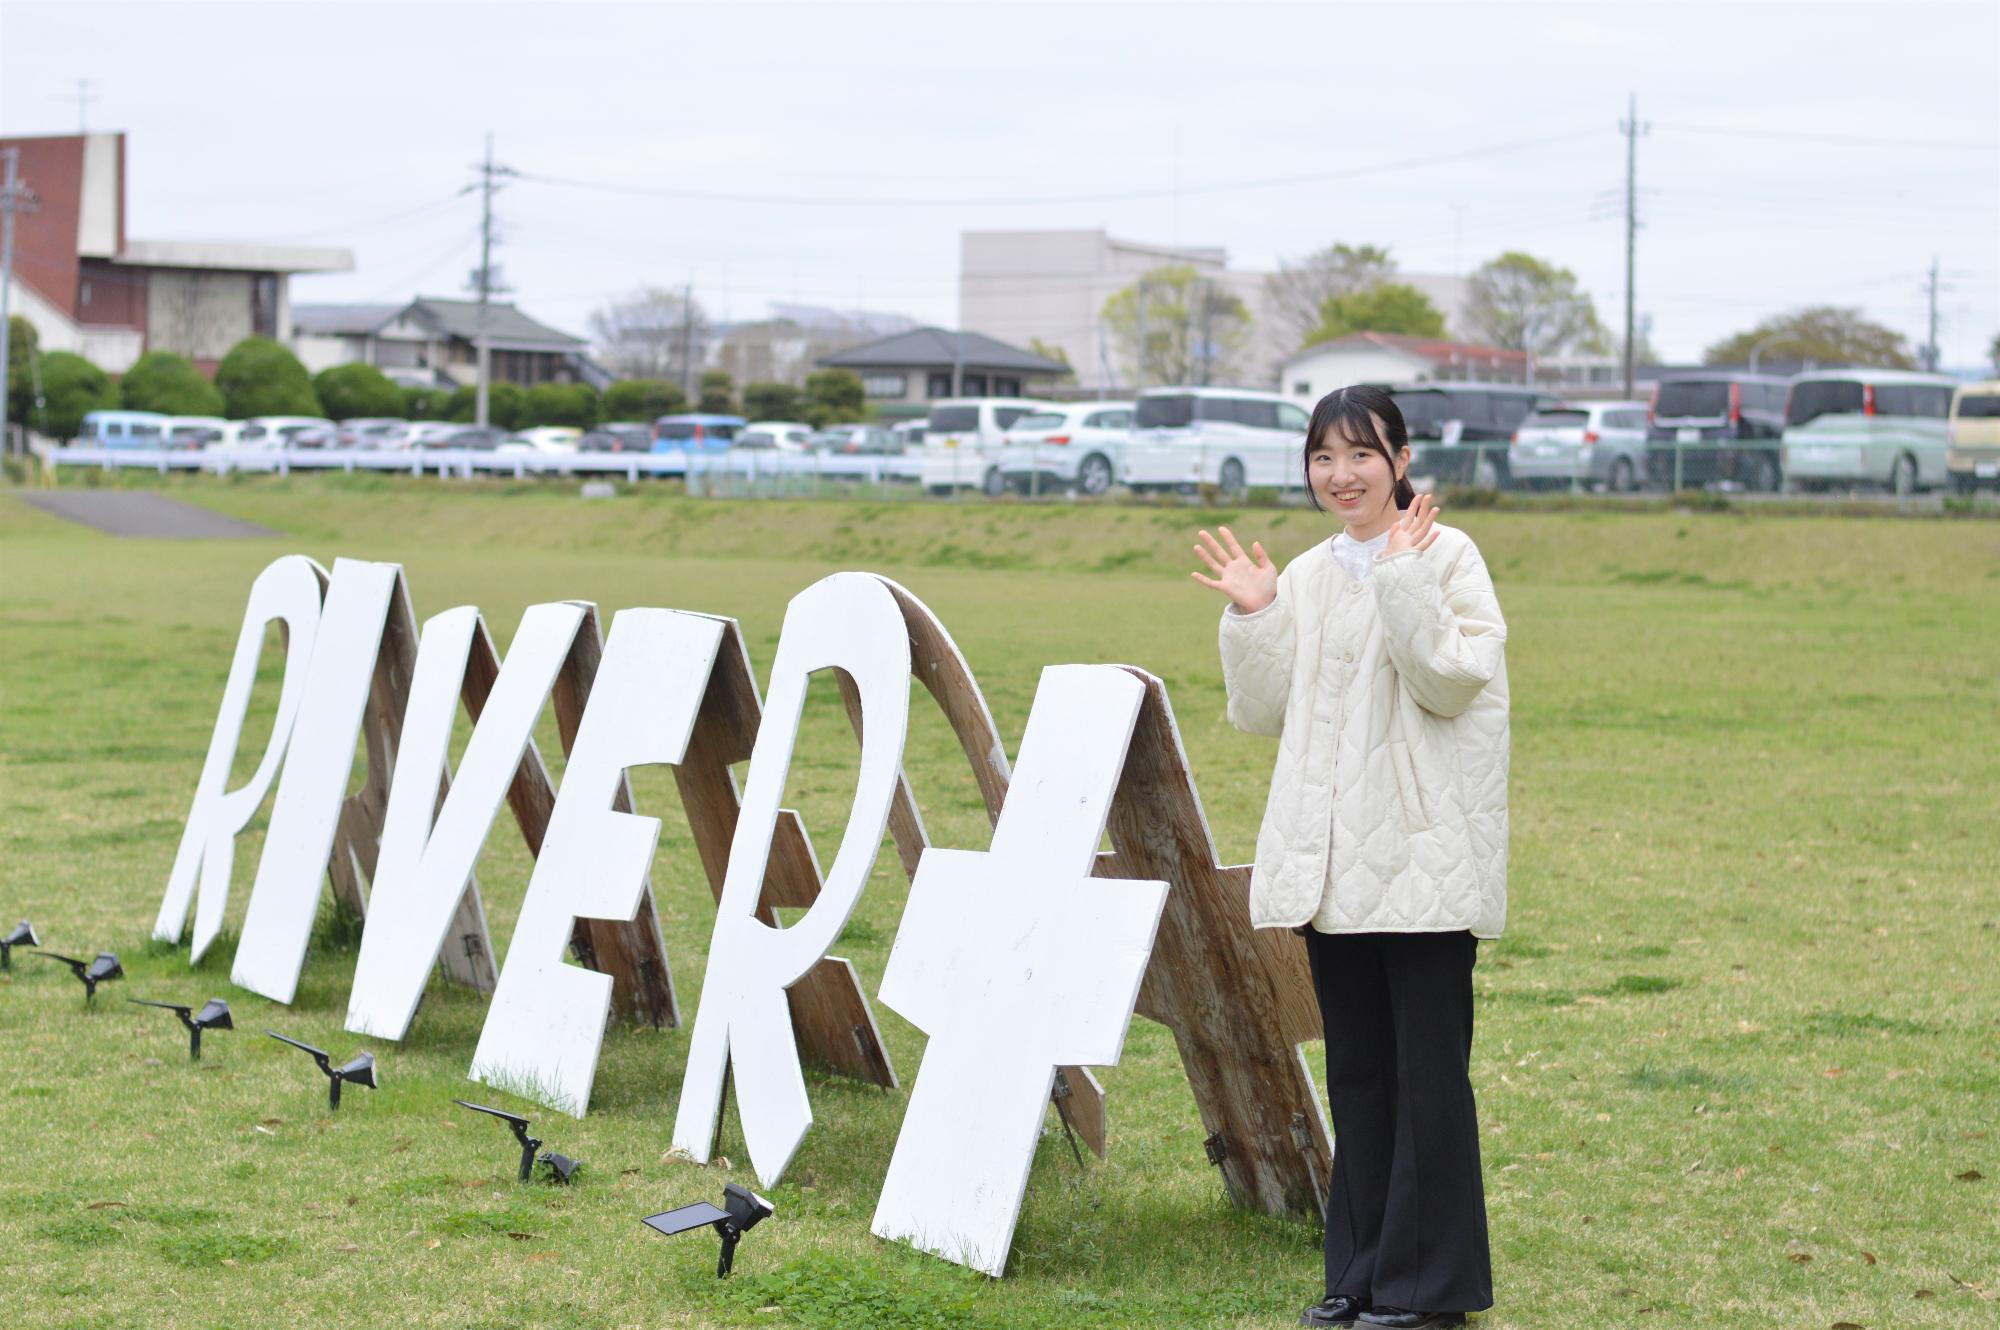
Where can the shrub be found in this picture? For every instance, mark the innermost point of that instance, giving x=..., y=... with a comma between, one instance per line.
x=834, y=396
x=718, y=393
x=347, y=391
x=771, y=401
x=71, y=386
x=643, y=399
x=426, y=404
x=260, y=378
x=506, y=405
x=562, y=404
x=168, y=383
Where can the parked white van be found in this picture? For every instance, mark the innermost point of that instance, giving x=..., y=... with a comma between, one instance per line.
x=1866, y=427
x=1074, y=447
x=1232, y=438
x=962, y=442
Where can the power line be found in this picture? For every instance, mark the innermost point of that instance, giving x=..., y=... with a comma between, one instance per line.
x=1019, y=201
x=1845, y=140
x=403, y=215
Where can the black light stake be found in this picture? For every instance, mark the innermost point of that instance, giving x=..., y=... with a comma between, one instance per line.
x=562, y=1166
x=102, y=970
x=359, y=1069
x=741, y=1211
x=22, y=936
x=214, y=1015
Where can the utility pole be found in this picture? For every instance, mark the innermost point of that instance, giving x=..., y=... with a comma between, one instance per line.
x=1207, y=332
x=1631, y=128
x=1931, y=345
x=83, y=97
x=14, y=198
x=489, y=176
x=1142, y=334
x=687, y=343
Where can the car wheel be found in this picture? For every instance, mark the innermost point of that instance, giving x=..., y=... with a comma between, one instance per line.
x=1094, y=476
x=996, y=484
x=1623, y=481
x=1231, y=478
x=1904, y=478
x=1961, y=483
x=1764, y=477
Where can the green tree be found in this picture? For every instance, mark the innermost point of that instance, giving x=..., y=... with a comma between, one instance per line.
x=771, y=401
x=1823, y=334
x=347, y=391
x=1386, y=307
x=506, y=405
x=643, y=399
x=261, y=378
x=1195, y=331
x=1522, y=303
x=834, y=397
x=718, y=393
x=1043, y=349
x=71, y=387
x=561, y=404
x=168, y=383
x=1300, y=288
x=23, y=342
x=426, y=404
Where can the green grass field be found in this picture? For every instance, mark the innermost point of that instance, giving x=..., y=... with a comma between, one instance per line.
x=1738, y=1057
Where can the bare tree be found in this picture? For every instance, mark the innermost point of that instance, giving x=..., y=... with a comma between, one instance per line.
x=650, y=333
x=1299, y=290
x=1194, y=331
x=1523, y=303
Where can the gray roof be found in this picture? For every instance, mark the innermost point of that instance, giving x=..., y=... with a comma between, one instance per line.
x=932, y=348
x=342, y=320
x=507, y=328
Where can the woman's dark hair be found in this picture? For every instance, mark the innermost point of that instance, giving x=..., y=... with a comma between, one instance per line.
x=1354, y=412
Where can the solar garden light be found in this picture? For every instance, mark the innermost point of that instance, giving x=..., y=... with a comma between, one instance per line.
x=102, y=970
x=22, y=936
x=741, y=1211
x=360, y=1068
x=214, y=1015
x=562, y=1166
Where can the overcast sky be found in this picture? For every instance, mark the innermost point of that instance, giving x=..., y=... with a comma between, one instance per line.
x=1798, y=154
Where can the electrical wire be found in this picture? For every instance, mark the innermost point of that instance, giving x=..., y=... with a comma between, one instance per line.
x=1844, y=140
x=420, y=210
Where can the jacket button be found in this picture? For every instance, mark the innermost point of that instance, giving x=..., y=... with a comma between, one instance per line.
x=1347, y=656
x=1354, y=588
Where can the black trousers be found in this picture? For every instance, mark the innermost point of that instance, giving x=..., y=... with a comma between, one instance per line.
x=1406, y=1209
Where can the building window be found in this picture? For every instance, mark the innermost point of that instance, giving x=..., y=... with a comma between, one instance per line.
x=1302, y=388
x=938, y=385
x=972, y=385
x=1006, y=387
x=264, y=304
x=885, y=385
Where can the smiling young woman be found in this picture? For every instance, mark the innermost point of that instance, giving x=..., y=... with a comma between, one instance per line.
x=1377, y=659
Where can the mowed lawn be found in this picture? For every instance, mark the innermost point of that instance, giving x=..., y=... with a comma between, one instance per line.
x=1738, y=1055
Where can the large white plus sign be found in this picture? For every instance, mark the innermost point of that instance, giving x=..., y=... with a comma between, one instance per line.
x=1015, y=962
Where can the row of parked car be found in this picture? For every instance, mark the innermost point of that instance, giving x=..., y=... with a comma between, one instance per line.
x=1817, y=430
x=1825, y=429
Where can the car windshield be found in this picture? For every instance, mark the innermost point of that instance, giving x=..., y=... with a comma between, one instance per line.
x=1557, y=420
x=954, y=417
x=1683, y=398
x=1982, y=406
x=1042, y=420
x=757, y=438
x=1166, y=411
x=1422, y=411
x=1823, y=397
x=679, y=429
x=193, y=434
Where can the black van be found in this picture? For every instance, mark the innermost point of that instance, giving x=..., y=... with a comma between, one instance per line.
x=1487, y=416
x=1718, y=425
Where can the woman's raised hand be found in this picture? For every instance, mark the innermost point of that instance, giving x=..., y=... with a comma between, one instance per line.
x=1250, y=580
x=1414, y=530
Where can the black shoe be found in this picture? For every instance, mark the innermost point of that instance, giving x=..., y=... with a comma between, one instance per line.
x=1340, y=1309
x=1404, y=1320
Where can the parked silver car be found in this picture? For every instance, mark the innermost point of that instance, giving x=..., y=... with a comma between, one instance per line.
x=1599, y=445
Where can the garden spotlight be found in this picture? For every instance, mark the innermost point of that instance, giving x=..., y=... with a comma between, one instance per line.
x=741, y=1211
x=92, y=973
x=22, y=936
x=359, y=1069
x=560, y=1165
x=214, y=1015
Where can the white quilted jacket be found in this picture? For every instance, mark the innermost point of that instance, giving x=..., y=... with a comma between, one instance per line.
x=1388, y=807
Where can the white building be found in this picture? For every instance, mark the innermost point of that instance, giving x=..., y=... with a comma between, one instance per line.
x=1393, y=358
x=1050, y=286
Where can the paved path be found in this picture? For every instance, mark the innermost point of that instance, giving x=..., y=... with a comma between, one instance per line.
x=134, y=513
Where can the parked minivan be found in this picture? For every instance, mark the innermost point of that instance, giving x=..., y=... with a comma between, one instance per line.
x=122, y=429
x=1867, y=426
x=186, y=433
x=278, y=431
x=1972, y=436
x=1460, y=432
x=700, y=432
x=1716, y=425
x=962, y=442
x=1231, y=438
x=1601, y=445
